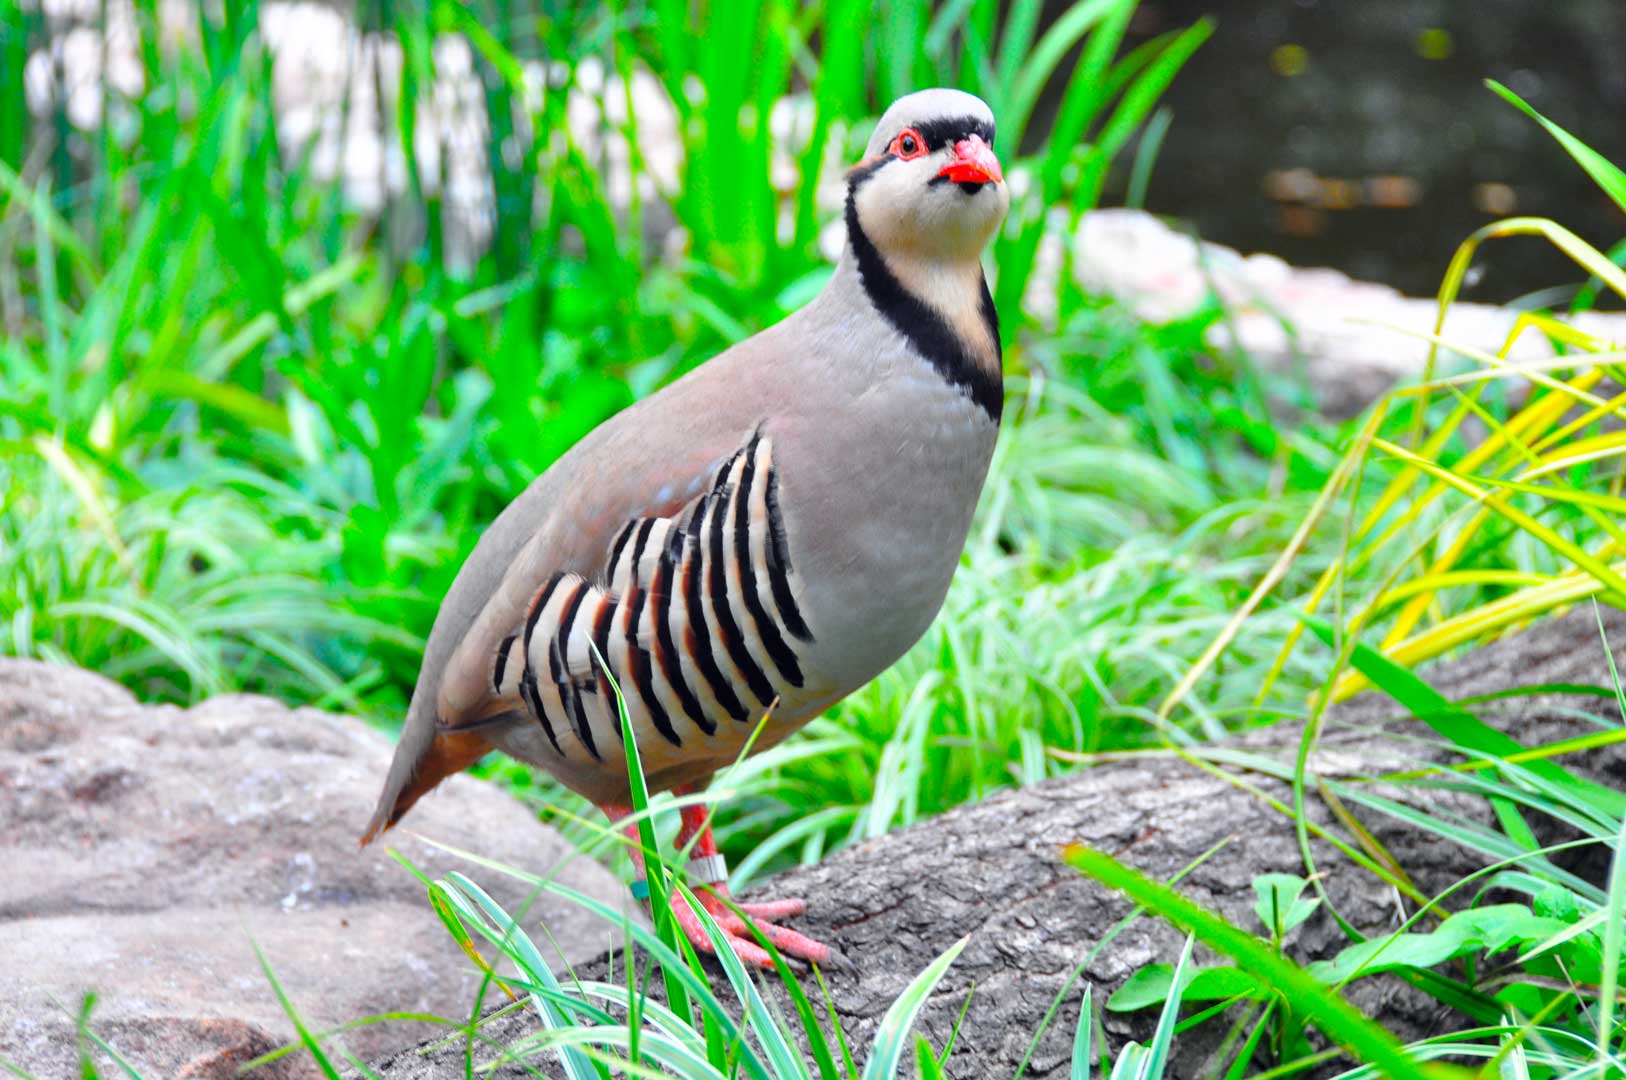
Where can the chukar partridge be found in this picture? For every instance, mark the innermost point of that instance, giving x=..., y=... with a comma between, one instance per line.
x=774, y=528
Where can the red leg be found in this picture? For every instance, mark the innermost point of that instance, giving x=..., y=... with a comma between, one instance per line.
x=696, y=821
x=696, y=827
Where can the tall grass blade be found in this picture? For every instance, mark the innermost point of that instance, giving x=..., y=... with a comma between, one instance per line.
x=786, y=1062
x=1614, y=946
x=655, y=873
x=1466, y=731
x=518, y=946
x=1157, y=1056
x=1035, y=67
x=892, y=1037
x=1607, y=174
x=1080, y=1068
x=306, y=1037
x=1336, y=1018
x=926, y=1063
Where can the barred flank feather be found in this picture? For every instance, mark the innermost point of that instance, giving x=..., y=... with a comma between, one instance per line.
x=679, y=616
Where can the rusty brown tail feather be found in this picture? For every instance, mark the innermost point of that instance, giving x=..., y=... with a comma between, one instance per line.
x=450, y=752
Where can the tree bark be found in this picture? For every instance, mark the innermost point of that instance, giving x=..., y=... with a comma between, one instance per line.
x=992, y=872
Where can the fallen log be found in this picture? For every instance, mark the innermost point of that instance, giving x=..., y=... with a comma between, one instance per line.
x=992, y=872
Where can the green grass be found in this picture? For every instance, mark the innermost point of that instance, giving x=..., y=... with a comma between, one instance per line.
x=1527, y=953
x=248, y=432
x=1465, y=537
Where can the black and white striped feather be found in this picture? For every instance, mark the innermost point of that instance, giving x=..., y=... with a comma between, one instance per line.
x=694, y=616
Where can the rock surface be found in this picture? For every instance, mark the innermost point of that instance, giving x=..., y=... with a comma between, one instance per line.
x=148, y=849
x=1350, y=340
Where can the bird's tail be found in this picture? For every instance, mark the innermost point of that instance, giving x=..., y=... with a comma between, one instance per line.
x=414, y=751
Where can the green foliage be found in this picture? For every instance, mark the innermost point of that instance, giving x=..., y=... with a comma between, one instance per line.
x=180, y=592
x=1336, y=1018
x=248, y=431
x=1282, y=904
x=1474, y=932
x=1608, y=175
x=1472, y=736
x=1487, y=930
x=1150, y=985
x=1536, y=973
x=1471, y=535
x=1541, y=957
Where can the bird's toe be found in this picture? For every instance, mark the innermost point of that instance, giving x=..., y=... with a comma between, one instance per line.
x=774, y=910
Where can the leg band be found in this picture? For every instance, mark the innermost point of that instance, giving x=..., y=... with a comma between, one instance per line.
x=705, y=870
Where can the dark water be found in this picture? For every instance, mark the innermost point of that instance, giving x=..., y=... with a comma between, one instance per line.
x=1358, y=134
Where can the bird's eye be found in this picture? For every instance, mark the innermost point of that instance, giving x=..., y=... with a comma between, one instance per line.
x=909, y=144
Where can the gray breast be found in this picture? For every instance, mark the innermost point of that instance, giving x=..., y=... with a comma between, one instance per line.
x=879, y=522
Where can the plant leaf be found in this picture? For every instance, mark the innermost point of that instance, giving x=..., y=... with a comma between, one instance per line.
x=1607, y=174
x=1281, y=905
x=1081, y=1038
x=1150, y=986
x=1337, y=1018
x=1486, y=930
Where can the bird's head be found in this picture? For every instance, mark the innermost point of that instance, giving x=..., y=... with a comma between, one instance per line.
x=929, y=185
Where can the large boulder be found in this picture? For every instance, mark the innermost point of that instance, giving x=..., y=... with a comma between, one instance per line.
x=1350, y=340
x=148, y=849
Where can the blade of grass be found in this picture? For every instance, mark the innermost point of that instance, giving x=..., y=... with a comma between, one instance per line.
x=655, y=873
x=304, y=1033
x=1334, y=1016
x=1157, y=1057
x=1463, y=729
x=1609, y=177
x=786, y=1062
x=891, y=1037
x=1080, y=1068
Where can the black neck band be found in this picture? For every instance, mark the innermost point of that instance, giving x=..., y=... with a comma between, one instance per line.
x=923, y=326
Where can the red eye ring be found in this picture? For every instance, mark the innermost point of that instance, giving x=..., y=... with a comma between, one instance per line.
x=908, y=145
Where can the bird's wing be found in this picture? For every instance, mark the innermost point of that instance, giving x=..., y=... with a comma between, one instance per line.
x=693, y=613
x=640, y=464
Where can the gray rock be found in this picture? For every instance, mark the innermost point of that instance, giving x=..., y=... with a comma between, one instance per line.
x=149, y=848
x=1350, y=340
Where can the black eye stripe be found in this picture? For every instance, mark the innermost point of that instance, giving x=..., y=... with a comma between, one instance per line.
x=941, y=132
x=936, y=133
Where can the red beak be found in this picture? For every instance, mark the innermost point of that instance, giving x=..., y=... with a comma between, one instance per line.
x=974, y=163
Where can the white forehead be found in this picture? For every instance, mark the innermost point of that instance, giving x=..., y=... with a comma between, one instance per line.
x=922, y=107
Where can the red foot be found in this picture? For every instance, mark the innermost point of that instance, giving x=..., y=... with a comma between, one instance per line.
x=739, y=937
x=696, y=834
